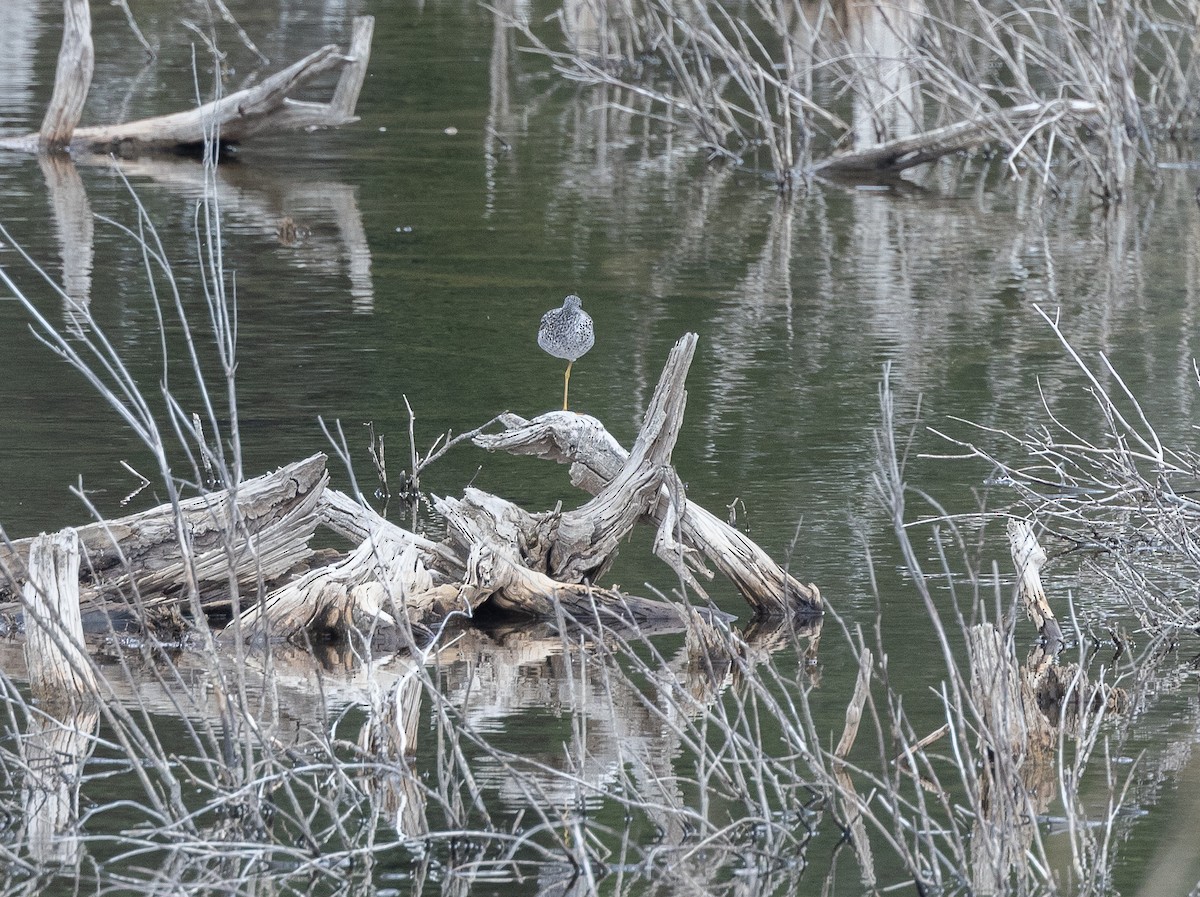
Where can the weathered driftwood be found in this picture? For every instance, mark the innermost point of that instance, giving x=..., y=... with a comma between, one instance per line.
x=268, y=106
x=397, y=583
x=1010, y=720
x=365, y=595
x=59, y=669
x=358, y=522
x=553, y=559
x=596, y=459
x=259, y=531
x=62, y=735
x=542, y=565
x=907, y=152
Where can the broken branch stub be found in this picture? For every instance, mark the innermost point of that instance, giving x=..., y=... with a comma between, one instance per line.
x=585, y=540
x=72, y=78
x=1029, y=557
x=59, y=669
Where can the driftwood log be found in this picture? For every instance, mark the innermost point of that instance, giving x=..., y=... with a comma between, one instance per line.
x=907, y=152
x=258, y=531
x=398, y=589
x=267, y=107
x=542, y=565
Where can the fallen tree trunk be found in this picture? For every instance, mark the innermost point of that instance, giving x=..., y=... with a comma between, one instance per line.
x=267, y=107
x=907, y=152
x=256, y=532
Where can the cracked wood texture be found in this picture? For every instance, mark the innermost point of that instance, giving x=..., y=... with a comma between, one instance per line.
x=256, y=532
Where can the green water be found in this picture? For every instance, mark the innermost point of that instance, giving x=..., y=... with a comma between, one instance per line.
x=477, y=191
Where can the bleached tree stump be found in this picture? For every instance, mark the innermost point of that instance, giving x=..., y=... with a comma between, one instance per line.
x=72, y=78
x=59, y=669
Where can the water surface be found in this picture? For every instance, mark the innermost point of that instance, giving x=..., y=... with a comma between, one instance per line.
x=475, y=192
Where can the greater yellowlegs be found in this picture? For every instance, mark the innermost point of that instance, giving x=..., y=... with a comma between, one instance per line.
x=568, y=333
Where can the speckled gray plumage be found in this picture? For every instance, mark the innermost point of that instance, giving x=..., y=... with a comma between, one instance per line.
x=567, y=332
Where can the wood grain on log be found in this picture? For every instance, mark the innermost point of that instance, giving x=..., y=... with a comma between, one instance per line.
x=358, y=522
x=258, y=530
x=59, y=669
x=364, y=595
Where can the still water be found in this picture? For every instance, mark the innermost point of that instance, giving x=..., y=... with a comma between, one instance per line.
x=476, y=191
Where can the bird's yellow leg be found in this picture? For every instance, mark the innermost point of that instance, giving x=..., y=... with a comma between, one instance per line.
x=566, y=384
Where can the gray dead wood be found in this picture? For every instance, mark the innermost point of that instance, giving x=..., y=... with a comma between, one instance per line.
x=365, y=597
x=540, y=563
x=259, y=531
x=72, y=78
x=684, y=536
x=59, y=669
x=357, y=522
x=1011, y=126
x=267, y=107
x=1010, y=722
x=1028, y=558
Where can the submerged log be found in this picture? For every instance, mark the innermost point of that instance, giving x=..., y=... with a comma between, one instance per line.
x=267, y=107
x=256, y=532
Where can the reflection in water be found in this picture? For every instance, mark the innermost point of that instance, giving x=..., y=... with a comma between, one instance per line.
x=73, y=224
x=250, y=201
x=18, y=40
x=54, y=750
x=443, y=756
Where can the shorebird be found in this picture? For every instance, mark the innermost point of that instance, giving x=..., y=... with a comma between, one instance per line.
x=568, y=333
